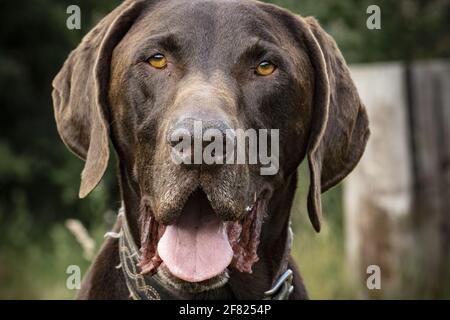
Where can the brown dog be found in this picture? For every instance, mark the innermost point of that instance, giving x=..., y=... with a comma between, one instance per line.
x=153, y=67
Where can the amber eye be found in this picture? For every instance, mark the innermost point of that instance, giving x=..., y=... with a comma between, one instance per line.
x=265, y=68
x=158, y=61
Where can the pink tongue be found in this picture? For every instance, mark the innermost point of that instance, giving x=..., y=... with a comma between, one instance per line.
x=196, y=248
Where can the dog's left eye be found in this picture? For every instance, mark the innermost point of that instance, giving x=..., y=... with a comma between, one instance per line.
x=265, y=68
x=158, y=61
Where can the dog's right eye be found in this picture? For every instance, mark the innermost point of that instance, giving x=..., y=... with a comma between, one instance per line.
x=158, y=61
x=265, y=68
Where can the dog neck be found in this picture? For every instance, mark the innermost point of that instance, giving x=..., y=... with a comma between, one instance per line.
x=273, y=250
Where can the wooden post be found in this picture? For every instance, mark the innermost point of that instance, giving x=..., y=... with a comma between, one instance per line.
x=397, y=200
x=429, y=85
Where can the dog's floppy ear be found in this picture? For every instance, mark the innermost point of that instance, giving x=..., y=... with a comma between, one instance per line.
x=340, y=126
x=80, y=93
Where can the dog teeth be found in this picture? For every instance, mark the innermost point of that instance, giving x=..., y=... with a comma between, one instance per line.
x=250, y=208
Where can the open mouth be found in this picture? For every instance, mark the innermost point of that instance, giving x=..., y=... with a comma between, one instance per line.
x=198, y=250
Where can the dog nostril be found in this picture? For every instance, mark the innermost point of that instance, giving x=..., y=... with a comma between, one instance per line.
x=177, y=135
x=189, y=138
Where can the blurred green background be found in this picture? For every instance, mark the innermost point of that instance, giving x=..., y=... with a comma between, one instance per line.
x=39, y=178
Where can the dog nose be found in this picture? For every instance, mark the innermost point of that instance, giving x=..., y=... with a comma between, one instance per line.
x=189, y=139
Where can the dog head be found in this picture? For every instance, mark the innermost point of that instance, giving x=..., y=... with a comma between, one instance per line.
x=152, y=73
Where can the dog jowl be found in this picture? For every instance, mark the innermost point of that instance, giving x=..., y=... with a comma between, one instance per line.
x=147, y=74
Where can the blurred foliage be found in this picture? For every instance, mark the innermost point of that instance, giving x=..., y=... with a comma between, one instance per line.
x=410, y=29
x=39, y=178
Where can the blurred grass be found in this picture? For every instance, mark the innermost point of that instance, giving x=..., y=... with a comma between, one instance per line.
x=321, y=256
x=34, y=258
x=36, y=269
